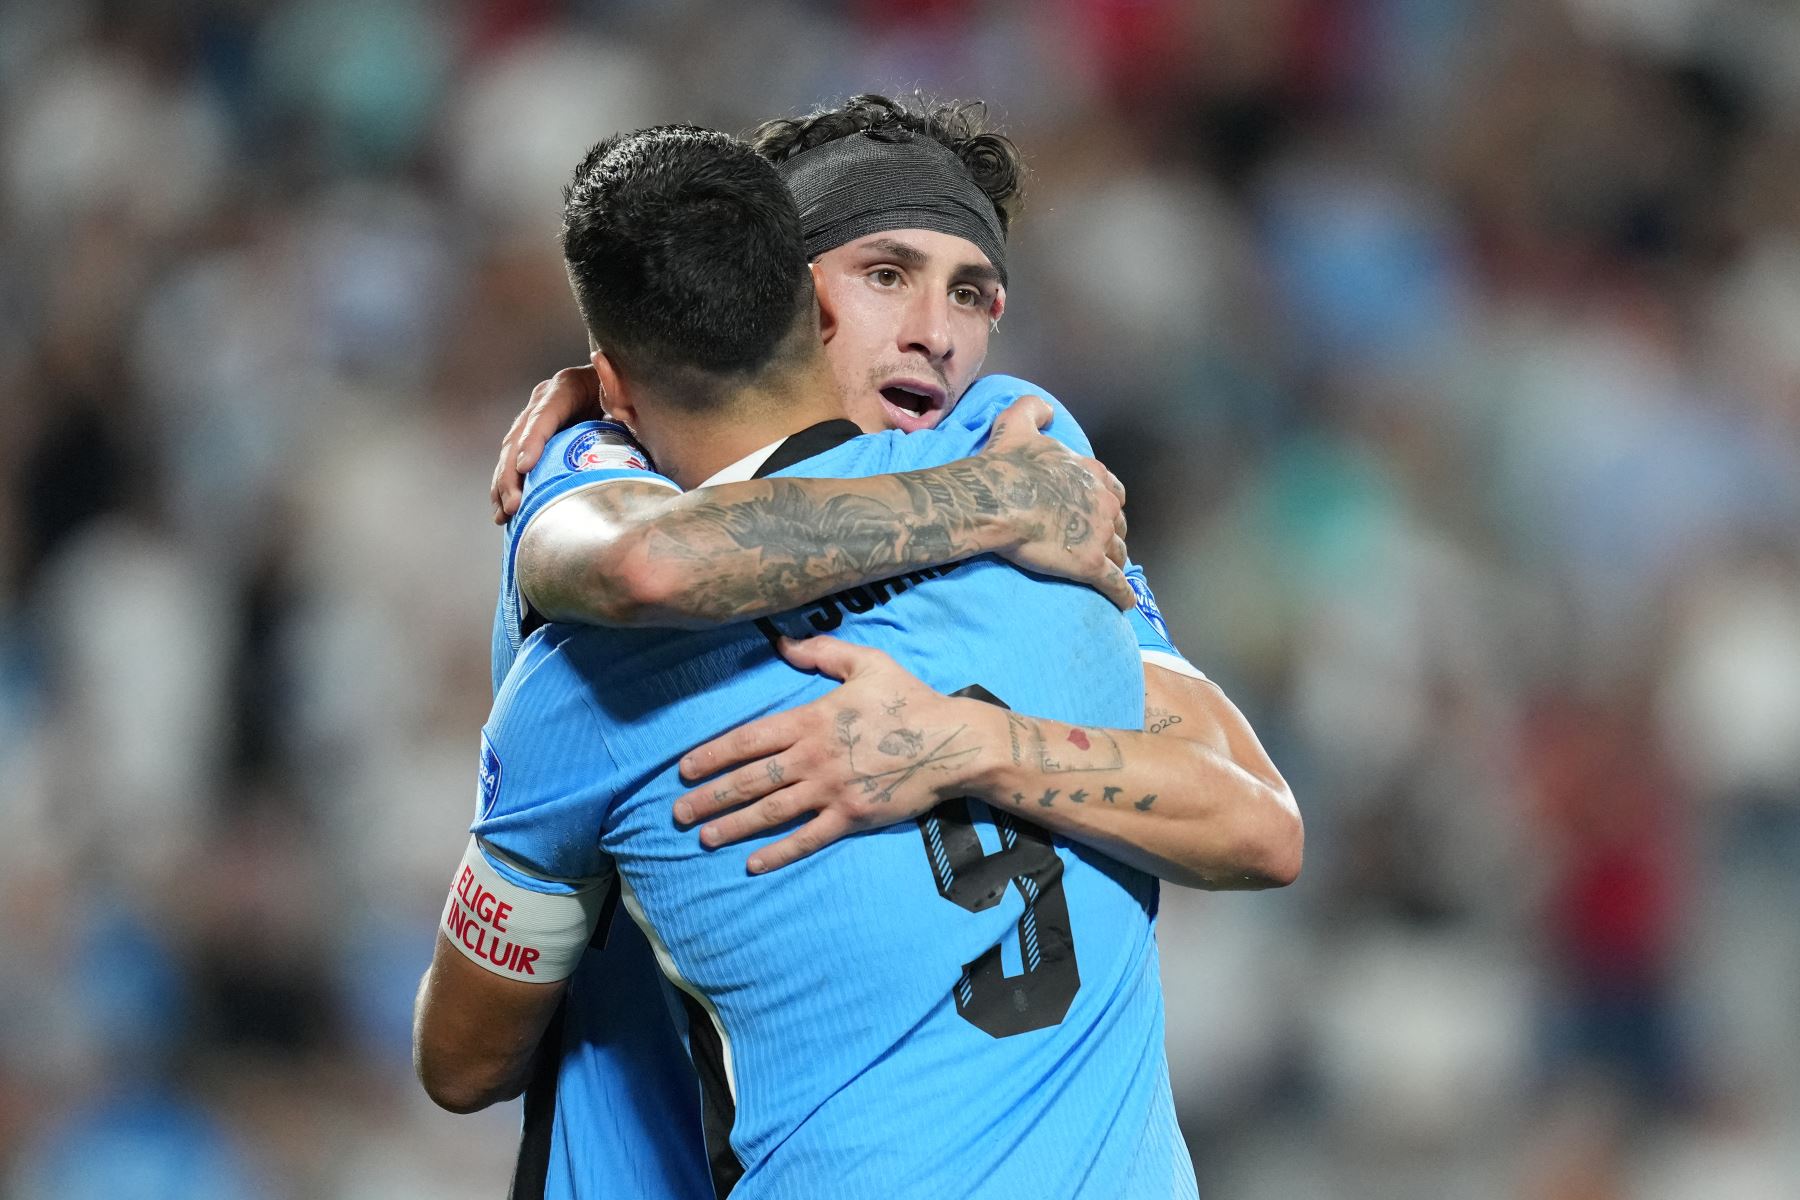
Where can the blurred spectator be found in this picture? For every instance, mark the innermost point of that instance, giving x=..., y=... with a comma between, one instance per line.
x=1448, y=350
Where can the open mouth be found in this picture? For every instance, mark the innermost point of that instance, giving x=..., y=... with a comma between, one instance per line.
x=911, y=406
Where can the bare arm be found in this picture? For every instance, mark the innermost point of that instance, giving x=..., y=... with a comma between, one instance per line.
x=1193, y=798
x=474, y=1032
x=625, y=553
x=1198, y=803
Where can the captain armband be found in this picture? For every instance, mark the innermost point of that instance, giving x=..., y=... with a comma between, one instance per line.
x=514, y=931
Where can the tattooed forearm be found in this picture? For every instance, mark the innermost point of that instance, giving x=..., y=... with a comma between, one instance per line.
x=1019, y=732
x=1171, y=805
x=760, y=547
x=1048, y=799
x=1079, y=749
x=763, y=547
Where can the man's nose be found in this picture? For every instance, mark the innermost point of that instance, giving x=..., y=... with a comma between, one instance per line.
x=927, y=328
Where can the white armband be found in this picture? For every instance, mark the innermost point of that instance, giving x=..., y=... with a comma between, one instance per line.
x=535, y=937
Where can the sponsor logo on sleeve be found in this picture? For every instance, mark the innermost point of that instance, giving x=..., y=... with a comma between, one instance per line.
x=1146, y=604
x=609, y=445
x=488, y=775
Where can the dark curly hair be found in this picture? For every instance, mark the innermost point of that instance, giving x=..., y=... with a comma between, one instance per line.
x=991, y=158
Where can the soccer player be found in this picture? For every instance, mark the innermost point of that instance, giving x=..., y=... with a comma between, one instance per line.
x=848, y=993
x=923, y=318
x=905, y=315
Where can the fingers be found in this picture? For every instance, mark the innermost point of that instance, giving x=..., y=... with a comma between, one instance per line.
x=774, y=810
x=1034, y=409
x=1115, y=587
x=1113, y=485
x=503, y=489
x=494, y=492
x=812, y=837
x=831, y=657
x=1107, y=479
x=571, y=394
x=1019, y=419
x=747, y=743
x=542, y=419
x=1115, y=552
x=741, y=787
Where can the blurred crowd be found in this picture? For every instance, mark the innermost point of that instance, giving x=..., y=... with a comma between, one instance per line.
x=1451, y=352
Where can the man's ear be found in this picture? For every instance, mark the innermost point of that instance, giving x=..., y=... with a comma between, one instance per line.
x=615, y=395
x=827, y=313
x=999, y=307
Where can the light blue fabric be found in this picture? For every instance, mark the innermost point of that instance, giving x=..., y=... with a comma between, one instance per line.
x=896, y=1022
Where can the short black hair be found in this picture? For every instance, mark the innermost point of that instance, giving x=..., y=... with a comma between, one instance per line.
x=684, y=251
x=992, y=160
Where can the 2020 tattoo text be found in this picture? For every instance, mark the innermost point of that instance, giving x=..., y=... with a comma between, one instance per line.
x=1158, y=719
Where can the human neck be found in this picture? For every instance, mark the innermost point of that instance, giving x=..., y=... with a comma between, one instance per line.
x=690, y=449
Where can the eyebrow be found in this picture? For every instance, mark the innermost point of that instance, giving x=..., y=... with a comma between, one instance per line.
x=900, y=252
x=913, y=258
x=976, y=273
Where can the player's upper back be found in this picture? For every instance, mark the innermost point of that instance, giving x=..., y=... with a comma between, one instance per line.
x=851, y=986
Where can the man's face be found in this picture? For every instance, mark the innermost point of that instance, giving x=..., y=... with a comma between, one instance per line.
x=906, y=315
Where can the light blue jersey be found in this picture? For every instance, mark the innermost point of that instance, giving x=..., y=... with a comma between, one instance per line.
x=596, y=452
x=984, y=401
x=959, y=1006
x=580, y=457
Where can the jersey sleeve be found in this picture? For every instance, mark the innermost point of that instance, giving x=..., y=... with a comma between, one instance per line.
x=1154, y=643
x=988, y=397
x=582, y=456
x=527, y=896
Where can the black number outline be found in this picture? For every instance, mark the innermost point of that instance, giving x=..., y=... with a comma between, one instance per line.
x=974, y=880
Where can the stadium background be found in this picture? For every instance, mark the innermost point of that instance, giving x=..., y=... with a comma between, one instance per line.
x=1449, y=350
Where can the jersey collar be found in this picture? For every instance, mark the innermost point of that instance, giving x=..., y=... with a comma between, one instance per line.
x=784, y=453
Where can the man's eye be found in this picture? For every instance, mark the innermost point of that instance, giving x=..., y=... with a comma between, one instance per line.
x=885, y=277
x=968, y=297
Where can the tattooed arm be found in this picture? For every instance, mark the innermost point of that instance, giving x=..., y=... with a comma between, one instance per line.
x=1196, y=802
x=1193, y=798
x=637, y=554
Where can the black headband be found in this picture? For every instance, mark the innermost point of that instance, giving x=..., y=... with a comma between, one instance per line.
x=854, y=186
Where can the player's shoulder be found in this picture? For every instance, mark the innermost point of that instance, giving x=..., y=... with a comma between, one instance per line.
x=551, y=659
x=592, y=446
x=583, y=455
x=865, y=454
x=990, y=395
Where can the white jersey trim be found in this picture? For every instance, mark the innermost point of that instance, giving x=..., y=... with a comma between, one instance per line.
x=534, y=937
x=674, y=975
x=744, y=468
x=1173, y=662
